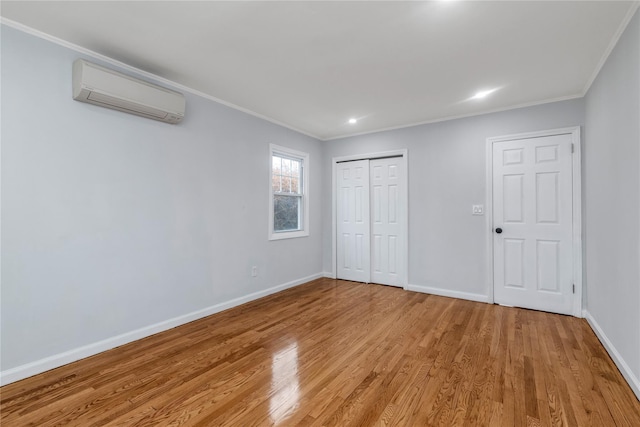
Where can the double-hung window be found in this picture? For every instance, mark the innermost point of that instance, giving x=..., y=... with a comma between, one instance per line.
x=289, y=198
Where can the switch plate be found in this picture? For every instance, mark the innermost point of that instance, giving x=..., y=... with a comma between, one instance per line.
x=477, y=210
x=254, y=271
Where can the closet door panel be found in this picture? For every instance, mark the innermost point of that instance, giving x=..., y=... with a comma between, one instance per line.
x=353, y=221
x=387, y=210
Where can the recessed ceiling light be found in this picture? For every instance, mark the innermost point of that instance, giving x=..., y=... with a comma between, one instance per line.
x=483, y=94
x=353, y=121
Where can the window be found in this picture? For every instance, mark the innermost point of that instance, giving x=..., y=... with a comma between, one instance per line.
x=288, y=187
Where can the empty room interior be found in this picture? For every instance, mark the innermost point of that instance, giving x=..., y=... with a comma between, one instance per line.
x=349, y=213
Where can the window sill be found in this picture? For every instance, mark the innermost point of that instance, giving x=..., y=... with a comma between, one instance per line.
x=288, y=235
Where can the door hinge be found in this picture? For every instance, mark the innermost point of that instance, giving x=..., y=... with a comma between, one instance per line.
x=574, y=288
x=573, y=147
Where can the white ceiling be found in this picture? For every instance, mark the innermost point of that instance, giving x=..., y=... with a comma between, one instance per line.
x=313, y=65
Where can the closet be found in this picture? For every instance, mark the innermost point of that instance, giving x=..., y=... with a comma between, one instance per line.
x=371, y=220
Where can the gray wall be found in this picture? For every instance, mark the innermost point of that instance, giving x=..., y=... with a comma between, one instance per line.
x=112, y=222
x=612, y=186
x=447, y=245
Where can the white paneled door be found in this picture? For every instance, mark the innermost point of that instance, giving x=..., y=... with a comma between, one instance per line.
x=370, y=221
x=353, y=225
x=386, y=221
x=533, y=223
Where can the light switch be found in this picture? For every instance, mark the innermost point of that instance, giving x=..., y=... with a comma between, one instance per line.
x=478, y=210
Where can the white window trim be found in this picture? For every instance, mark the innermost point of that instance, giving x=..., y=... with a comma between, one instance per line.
x=279, y=235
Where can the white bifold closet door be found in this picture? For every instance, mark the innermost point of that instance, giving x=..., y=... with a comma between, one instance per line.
x=352, y=216
x=370, y=213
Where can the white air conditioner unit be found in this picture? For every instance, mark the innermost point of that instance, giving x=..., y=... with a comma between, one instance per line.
x=107, y=88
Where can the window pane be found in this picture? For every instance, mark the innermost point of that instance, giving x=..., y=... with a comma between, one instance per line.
x=295, y=168
x=286, y=167
x=286, y=213
x=275, y=182
x=286, y=184
x=275, y=165
x=294, y=185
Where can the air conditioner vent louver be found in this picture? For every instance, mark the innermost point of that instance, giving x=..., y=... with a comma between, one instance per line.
x=107, y=88
x=118, y=104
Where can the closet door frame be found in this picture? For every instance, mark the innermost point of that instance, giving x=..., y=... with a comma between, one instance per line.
x=405, y=227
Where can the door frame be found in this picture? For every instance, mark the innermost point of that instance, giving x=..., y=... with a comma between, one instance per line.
x=334, y=205
x=577, y=207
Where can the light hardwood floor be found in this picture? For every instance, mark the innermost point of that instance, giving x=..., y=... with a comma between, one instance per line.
x=340, y=353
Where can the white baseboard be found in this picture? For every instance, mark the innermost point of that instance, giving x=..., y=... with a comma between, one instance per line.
x=448, y=293
x=627, y=373
x=37, y=367
x=328, y=275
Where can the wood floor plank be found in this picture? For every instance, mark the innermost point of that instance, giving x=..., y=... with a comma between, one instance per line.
x=340, y=353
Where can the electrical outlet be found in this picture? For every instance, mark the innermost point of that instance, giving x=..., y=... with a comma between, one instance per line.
x=254, y=271
x=478, y=210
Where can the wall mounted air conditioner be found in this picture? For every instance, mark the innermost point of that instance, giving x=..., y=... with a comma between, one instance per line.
x=107, y=88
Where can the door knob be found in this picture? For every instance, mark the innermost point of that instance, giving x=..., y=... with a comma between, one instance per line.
x=498, y=230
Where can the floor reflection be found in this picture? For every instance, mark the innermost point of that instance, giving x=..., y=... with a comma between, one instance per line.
x=285, y=387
